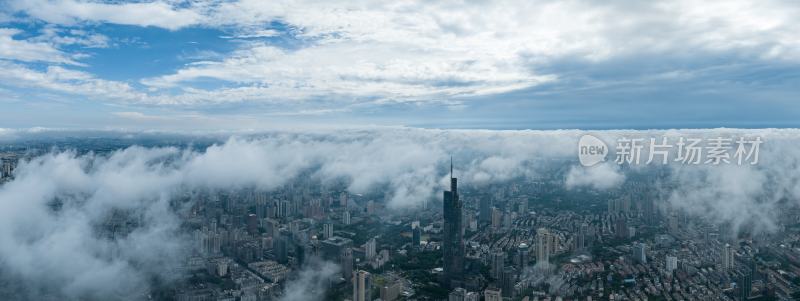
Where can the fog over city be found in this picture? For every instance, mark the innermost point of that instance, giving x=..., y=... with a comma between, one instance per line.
x=50, y=211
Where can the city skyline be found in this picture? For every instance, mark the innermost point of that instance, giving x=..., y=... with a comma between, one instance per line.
x=360, y=150
x=284, y=217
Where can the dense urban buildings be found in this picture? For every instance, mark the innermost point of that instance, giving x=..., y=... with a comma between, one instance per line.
x=521, y=239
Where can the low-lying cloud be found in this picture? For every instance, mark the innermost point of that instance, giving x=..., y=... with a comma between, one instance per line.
x=52, y=214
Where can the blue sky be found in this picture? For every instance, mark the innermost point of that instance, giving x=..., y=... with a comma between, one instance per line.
x=498, y=64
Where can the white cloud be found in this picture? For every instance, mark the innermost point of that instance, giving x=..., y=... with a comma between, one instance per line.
x=56, y=78
x=389, y=72
x=385, y=52
x=257, y=33
x=29, y=51
x=61, y=251
x=601, y=176
x=79, y=37
x=431, y=51
x=69, y=12
x=311, y=283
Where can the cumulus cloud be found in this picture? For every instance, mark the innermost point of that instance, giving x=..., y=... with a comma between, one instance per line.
x=30, y=51
x=61, y=37
x=311, y=283
x=66, y=80
x=601, y=176
x=68, y=12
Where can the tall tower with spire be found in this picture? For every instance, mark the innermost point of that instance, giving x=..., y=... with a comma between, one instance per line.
x=453, y=242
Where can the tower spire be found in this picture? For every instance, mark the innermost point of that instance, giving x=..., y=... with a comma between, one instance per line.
x=451, y=167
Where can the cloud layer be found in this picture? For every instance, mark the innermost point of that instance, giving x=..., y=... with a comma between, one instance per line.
x=52, y=214
x=357, y=54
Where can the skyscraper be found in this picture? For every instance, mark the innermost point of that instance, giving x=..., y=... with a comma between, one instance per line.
x=543, y=245
x=508, y=279
x=252, y=224
x=416, y=235
x=639, y=252
x=523, y=255
x=486, y=210
x=745, y=284
x=453, y=243
x=581, y=240
x=726, y=258
x=327, y=230
x=745, y=281
x=369, y=249
x=498, y=264
x=361, y=286
x=346, y=217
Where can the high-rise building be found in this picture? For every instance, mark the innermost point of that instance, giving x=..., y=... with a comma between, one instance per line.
x=543, y=245
x=498, y=264
x=339, y=249
x=282, y=249
x=523, y=255
x=492, y=294
x=361, y=286
x=745, y=281
x=327, y=230
x=252, y=224
x=369, y=249
x=346, y=217
x=272, y=227
x=745, y=284
x=672, y=263
x=497, y=218
x=343, y=200
x=486, y=210
x=522, y=207
x=283, y=208
x=346, y=262
x=639, y=252
x=581, y=240
x=458, y=294
x=8, y=162
x=391, y=291
x=508, y=280
x=453, y=242
x=621, y=227
x=416, y=237
x=726, y=258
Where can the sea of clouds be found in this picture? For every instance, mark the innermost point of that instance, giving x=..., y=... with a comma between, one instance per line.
x=59, y=252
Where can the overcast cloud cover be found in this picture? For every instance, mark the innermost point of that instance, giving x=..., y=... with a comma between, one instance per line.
x=61, y=249
x=485, y=64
